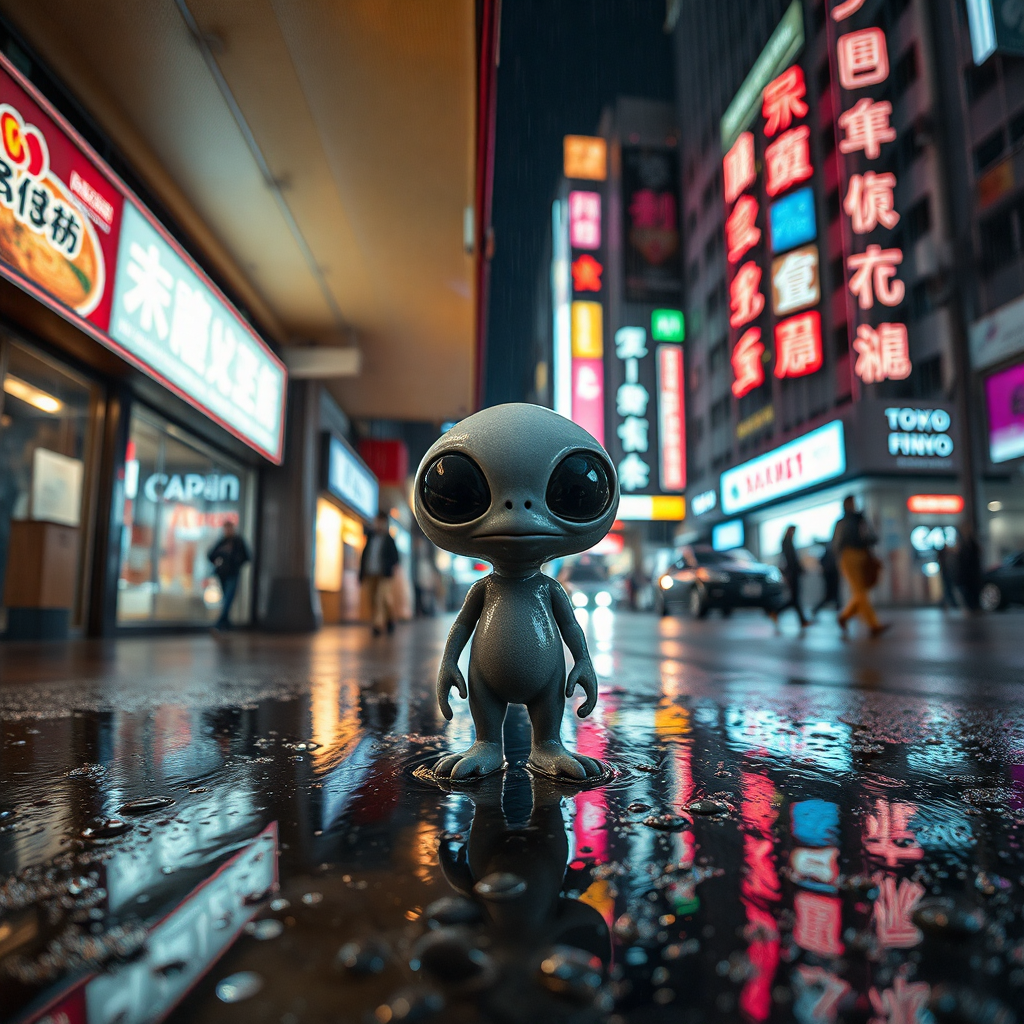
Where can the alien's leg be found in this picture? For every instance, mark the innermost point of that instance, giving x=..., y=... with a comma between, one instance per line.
x=547, y=753
x=485, y=755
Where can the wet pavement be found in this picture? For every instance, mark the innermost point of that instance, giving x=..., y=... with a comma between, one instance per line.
x=796, y=829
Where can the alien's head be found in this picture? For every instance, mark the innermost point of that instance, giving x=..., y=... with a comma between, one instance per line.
x=516, y=485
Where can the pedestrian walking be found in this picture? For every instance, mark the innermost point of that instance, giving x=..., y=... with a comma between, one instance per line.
x=792, y=570
x=425, y=578
x=227, y=557
x=853, y=543
x=829, y=576
x=968, y=567
x=946, y=558
x=376, y=569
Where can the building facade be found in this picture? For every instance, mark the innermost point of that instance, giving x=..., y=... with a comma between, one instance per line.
x=829, y=217
x=141, y=409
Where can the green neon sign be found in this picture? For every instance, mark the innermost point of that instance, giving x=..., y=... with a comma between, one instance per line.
x=786, y=42
x=667, y=325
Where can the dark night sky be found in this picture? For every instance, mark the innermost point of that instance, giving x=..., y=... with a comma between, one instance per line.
x=562, y=61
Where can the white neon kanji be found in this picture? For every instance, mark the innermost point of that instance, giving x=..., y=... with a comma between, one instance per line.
x=633, y=472
x=633, y=433
x=631, y=343
x=796, y=281
x=268, y=396
x=870, y=202
x=867, y=126
x=632, y=399
x=247, y=367
x=151, y=294
x=190, y=326
x=222, y=352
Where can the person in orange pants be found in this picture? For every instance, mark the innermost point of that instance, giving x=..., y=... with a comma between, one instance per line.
x=852, y=542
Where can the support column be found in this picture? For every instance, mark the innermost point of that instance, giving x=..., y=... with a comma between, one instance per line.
x=286, y=598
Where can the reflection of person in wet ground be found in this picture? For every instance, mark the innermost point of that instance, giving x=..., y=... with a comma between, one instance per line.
x=514, y=869
x=854, y=541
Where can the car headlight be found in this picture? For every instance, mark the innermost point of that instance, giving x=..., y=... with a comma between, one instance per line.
x=666, y=583
x=712, y=576
x=773, y=575
x=602, y=599
x=579, y=600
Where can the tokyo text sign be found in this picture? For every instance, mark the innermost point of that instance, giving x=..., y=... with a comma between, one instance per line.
x=74, y=237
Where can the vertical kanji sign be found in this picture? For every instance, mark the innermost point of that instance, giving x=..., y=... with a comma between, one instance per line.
x=770, y=245
x=859, y=54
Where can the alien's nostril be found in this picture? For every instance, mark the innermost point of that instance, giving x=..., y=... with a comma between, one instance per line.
x=528, y=504
x=508, y=504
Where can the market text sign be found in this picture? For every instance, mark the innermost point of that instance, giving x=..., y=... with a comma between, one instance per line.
x=74, y=237
x=809, y=460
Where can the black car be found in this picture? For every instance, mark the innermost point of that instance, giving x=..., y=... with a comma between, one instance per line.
x=704, y=579
x=1004, y=585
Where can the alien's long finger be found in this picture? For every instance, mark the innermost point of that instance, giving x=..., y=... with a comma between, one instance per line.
x=587, y=707
x=460, y=685
x=445, y=706
x=592, y=767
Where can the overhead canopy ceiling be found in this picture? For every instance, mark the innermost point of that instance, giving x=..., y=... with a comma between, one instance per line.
x=339, y=218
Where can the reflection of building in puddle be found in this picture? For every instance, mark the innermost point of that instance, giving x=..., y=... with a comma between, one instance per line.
x=180, y=948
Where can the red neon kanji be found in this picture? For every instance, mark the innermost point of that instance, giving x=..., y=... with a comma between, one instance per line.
x=883, y=355
x=867, y=126
x=875, y=270
x=863, y=58
x=788, y=160
x=819, y=921
x=784, y=100
x=747, y=366
x=847, y=8
x=886, y=835
x=869, y=202
x=745, y=300
x=741, y=230
x=586, y=274
x=738, y=168
x=901, y=1004
x=798, y=345
x=892, y=911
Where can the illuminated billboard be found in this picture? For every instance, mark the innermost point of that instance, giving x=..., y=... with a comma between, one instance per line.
x=1005, y=394
x=802, y=463
x=76, y=238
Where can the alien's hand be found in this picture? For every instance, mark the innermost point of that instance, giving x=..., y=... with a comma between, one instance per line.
x=450, y=675
x=583, y=674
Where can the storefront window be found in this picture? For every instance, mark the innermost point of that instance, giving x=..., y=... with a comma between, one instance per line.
x=178, y=496
x=48, y=417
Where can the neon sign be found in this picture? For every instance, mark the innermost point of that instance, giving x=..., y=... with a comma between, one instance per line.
x=860, y=60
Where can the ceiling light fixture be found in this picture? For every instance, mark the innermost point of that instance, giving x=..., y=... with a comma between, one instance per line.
x=36, y=397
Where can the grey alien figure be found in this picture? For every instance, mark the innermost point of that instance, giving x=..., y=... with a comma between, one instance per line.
x=516, y=485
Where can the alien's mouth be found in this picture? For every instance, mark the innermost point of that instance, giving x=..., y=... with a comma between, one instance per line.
x=511, y=536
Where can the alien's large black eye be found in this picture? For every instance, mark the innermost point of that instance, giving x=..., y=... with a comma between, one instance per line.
x=579, y=488
x=454, y=490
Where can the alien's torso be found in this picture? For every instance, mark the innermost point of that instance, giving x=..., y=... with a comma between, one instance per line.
x=517, y=648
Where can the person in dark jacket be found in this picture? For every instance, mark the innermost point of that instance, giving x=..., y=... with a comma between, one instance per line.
x=376, y=569
x=968, y=567
x=830, y=577
x=227, y=557
x=853, y=542
x=792, y=570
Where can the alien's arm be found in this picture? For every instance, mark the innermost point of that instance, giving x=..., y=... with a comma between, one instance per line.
x=582, y=673
x=450, y=674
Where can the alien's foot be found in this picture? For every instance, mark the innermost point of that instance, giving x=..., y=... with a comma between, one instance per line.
x=479, y=760
x=553, y=759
